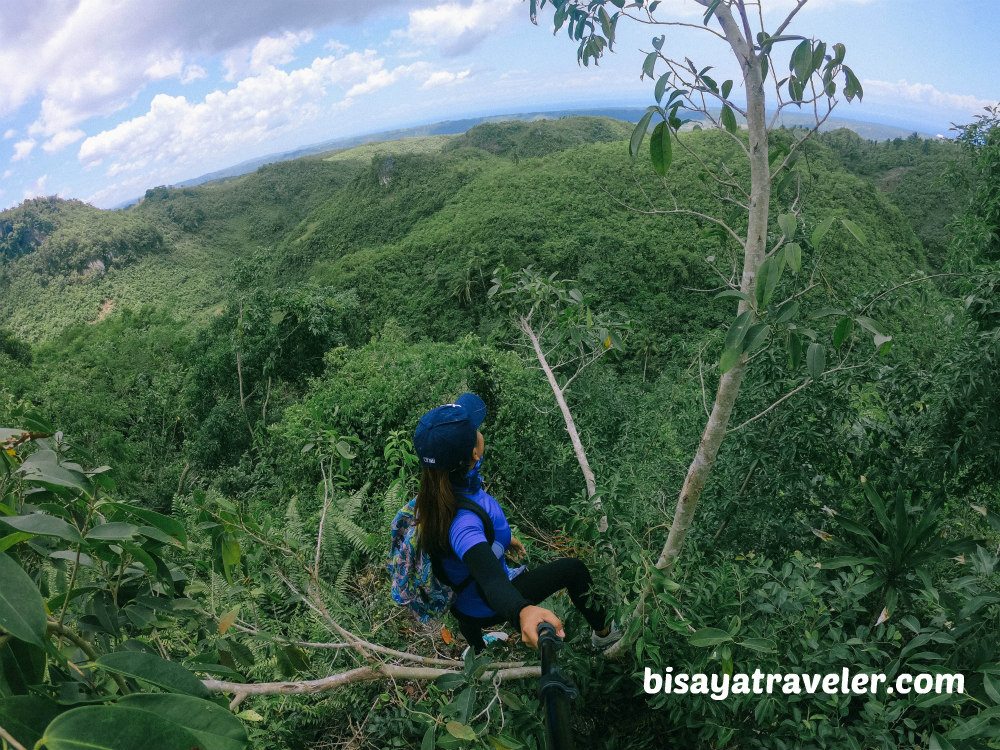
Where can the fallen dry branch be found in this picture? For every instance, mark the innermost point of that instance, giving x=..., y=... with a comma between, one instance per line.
x=241, y=690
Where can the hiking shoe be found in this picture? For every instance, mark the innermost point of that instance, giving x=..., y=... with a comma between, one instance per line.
x=604, y=642
x=490, y=638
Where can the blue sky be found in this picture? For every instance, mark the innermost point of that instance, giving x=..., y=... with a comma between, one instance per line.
x=104, y=98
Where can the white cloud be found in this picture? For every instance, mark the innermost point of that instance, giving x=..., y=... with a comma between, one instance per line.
x=336, y=46
x=443, y=78
x=921, y=94
x=37, y=188
x=178, y=132
x=267, y=52
x=8, y=173
x=9, y=134
x=193, y=73
x=62, y=139
x=164, y=67
x=22, y=149
x=458, y=27
x=86, y=58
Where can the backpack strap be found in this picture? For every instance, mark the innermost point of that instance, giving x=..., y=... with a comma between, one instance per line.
x=465, y=503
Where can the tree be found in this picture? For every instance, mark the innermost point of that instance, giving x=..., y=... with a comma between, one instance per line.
x=814, y=70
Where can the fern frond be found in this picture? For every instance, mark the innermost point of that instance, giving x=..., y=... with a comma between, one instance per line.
x=361, y=540
x=351, y=506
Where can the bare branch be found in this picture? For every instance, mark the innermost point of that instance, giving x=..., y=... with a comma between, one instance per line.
x=788, y=19
x=802, y=140
x=322, y=518
x=524, y=324
x=650, y=21
x=907, y=283
x=796, y=390
x=241, y=690
x=798, y=294
x=88, y=650
x=680, y=211
x=9, y=739
x=701, y=377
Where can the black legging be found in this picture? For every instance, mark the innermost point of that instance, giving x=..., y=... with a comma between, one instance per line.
x=537, y=585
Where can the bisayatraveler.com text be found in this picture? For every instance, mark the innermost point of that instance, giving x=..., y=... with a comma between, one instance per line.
x=720, y=686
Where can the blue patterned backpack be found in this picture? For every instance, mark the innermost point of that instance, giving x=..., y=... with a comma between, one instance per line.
x=418, y=581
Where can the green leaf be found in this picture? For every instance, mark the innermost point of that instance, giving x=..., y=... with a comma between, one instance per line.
x=738, y=330
x=709, y=637
x=764, y=645
x=16, y=538
x=733, y=293
x=815, y=360
x=26, y=716
x=114, y=531
x=727, y=86
x=450, y=681
x=820, y=231
x=660, y=148
x=855, y=230
x=992, y=686
x=45, y=468
x=788, y=225
x=22, y=610
x=661, y=86
x=794, y=350
x=43, y=524
x=168, y=675
x=729, y=359
x=852, y=87
x=801, y=60
x=115, y=728
x=729, y=119
x=427, y=743
x=157, y=535
x=230, y=550
x=844, y=329
x=768, y=276
x=847, y=561
x=214, y=726
x=648, y=64
x=793, y=255
x=170, y=526
x=460, y=731
x=976, y=603
x=756, y=337
x=464, y=704
x=787, y=311
x=639, y=132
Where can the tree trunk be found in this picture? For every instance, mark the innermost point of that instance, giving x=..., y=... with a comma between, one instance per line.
x=754, y=253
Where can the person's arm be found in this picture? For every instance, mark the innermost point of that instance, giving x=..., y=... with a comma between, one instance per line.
x=503, y=597
x=497, y=590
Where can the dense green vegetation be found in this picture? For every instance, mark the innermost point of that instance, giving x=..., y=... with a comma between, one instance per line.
x=271, y=341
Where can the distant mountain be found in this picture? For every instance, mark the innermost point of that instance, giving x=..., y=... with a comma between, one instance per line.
x=868, y=130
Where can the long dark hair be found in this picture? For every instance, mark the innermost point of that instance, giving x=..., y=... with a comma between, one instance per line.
x=435, y=511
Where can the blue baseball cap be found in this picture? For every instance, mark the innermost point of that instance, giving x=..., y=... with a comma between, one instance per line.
x=446, y=435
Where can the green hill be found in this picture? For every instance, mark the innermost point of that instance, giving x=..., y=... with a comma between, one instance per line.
x=250, y=357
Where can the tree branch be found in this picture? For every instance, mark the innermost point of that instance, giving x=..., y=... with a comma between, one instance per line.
x=240, y=690
x=88, y=650
x=524, y=323
x=907, y=283
x=9, y=739
x=796, y=390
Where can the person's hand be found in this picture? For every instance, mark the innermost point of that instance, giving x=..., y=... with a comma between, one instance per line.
x=531, y=617
x=516, y=548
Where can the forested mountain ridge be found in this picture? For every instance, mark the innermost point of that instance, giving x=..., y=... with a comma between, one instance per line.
x=254, y=355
